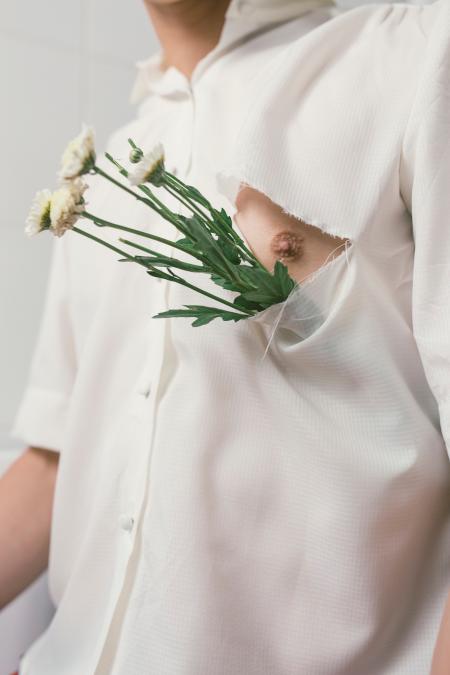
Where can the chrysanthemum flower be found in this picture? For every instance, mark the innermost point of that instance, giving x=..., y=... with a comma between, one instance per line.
x=39, y=216
x=66, y=205
x=79, y=156
x=150, y=169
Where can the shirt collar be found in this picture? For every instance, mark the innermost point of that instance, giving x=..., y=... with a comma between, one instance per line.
x=242, y=18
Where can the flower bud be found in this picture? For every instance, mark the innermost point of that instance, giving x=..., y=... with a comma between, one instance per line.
x=136, y=155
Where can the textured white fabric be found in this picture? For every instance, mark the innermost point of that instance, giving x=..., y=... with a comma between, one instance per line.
x=268, y=10
x=221, y=513
x=243, y=19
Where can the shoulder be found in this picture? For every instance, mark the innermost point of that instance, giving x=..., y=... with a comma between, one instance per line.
x=376, y=55
x=400, y=32
x=395, y=35
x=336, y=106
x=400, y=20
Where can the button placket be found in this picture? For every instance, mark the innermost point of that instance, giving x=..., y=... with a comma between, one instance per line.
x=143, y=411
x=145, y=389
x=126, y=522
x=144, y=385
x=138, y=486
x=135, y=486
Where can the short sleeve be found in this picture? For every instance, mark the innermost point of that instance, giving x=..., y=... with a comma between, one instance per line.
x=425, y=180
x=41, y=416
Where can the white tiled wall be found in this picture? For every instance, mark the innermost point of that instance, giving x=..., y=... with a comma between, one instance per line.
x=61, y=62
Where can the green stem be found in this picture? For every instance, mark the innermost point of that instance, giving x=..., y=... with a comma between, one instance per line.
x=152, y=201
x=105, y=223
x=209, y=224
x=177, y=183
x=234, y=237
x=181, y=192
x=158, y=256
x=105, y=243
x=100, y=222
x=190, y=206
x=174, y=277
x=160, y=208
x=188, y=202
x=102, y=173
x=183, y=282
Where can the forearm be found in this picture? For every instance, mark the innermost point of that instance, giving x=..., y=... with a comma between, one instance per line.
x=26, y=501
x=441, y=658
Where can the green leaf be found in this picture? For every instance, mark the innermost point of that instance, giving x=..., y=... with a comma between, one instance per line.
x=170, y=262
x=225, y=283
x=221, y=221
x=229, y=250
x=281, y=274
x=264, y=297
x=244, y=303
x=268, y=290
x=210, y=248
x=197, y=196
x=226, y=218
x=187, y=244
x=203, y=314
x=159, y=274
x=247, y=276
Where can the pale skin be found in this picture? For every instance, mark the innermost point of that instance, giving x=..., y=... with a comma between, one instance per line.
x=26, y=500
x=188, y=30
x=441, y=657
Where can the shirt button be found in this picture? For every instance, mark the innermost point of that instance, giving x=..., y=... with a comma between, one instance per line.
x=126, y=522
x=145, y=389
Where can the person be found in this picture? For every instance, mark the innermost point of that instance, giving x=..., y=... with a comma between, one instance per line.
x=269, y=496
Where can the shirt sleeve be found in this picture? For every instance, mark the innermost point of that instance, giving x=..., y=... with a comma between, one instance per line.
x=425, y=181
x=42, y=412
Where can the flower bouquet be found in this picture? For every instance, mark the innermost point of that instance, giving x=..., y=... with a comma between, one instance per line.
x=208, y=238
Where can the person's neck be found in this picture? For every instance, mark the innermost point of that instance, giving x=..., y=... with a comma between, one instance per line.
x=187, y=30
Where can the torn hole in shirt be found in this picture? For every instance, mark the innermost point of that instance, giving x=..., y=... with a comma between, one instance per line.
x=310, y=302
x=309, y=253
x=233, y=182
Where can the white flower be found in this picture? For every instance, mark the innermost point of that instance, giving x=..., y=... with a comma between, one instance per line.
x=39, y=216
x=150, y=169
x=67, y=203
x=79, y=156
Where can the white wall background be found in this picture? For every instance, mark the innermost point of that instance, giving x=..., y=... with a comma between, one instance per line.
x=61, y=62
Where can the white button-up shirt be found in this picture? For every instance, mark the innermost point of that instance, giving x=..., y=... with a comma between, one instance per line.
x=226, y=509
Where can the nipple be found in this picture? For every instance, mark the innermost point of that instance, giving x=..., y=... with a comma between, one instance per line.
x=287, y=245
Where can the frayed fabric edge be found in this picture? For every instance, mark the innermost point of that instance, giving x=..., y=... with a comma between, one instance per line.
x=303, y=284
x=231, y=181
